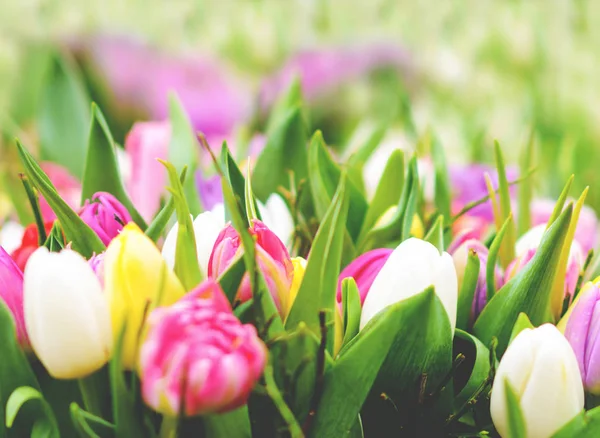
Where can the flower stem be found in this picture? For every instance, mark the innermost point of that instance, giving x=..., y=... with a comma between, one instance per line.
x=286, y=414
x=168, y=427
x=91, y=392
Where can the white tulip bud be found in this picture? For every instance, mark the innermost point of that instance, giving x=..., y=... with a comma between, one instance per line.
x=411, y=268
x=542, y=370
x=66, y=314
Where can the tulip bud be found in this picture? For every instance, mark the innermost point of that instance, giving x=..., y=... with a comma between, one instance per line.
x=364, y=269
x=136, y=278
x=199, y=354
x=459, y=257
x=583, y=327
x=66, y=314
x=542, y=370
x=97, y=265
x=412, y=267
x=11, y=292
x=273, y=261
x=207, y=227
x=105, y=215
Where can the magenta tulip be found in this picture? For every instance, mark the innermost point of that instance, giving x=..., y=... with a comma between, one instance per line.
x=11, y=292
x=199, y=354
x=105, y=215
x=364, y=269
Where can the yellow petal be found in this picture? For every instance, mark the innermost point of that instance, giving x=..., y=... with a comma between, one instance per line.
x=299, y=267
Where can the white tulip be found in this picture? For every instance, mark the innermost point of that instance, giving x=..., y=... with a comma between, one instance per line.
x=542, y=370
x=207, y=227
x=412, y=267
x=66, y=314
x=11, y=234
x=277, y=217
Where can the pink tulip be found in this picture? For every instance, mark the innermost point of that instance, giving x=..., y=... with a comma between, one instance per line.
x=105, y=215
x=364, y=269
x=273, y=259
x=146, y=142
x=11, y=292
x=68, y=187
x=199, y=354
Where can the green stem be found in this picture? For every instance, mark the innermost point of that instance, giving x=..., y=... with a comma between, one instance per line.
x=168, y=427
x=91, y=392
x=286, y=414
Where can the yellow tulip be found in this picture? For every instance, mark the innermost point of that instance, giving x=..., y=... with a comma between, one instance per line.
x=136, y=279
x=299, y=267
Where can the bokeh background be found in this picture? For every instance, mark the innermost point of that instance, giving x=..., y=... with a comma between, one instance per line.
x=472, y=71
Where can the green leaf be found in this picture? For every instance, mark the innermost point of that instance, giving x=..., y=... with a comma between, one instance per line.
x=63, y=116
x=235, y=179
x=584, y=425
x=14, y=189
x=516, y=422
x=83, y=239
x=466, y=294
x=560, y=202
x=284, y=152
x=231, y=279
x=388, y=191
x=351, y=309
x=442, y=189
x=102, y=168
x=184, y=150
x=390, y=349
x=357, y=160
x=521, y=324
x=19, y=397
x=525, y=193
x=435, y=235
x=325, y=175
x=250, y=202
x=234, y=423
x=89, y=425
x=318, y=288
x=490, y=268
x=507, y=251
x=55, y=242
x=35, y=207
x=471, y=376
x=529, y=291
x=161, y=220
x=291, y=99
x=186, y=256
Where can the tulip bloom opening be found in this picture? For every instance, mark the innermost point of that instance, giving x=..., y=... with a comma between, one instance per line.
x=199, y=354
x=364, y=270
x=11, y=292
x=105, y=215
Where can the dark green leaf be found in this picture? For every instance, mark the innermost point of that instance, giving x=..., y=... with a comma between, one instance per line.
x=467, y=291
x=521, y=324
x=235, y=423
x=490, y=269
x=473, y=373
x=236, y=180
x=443, y=191
x=231, y=279
x=351, y=309
x=435, y=235
x=19, y=397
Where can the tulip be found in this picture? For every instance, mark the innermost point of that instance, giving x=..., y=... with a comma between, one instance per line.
x=66, y=314
x=299, y=265
x=136, y=278
x=105, y=215
x=11, y=292
x=459, y=257
x=197, y=352
x=273, y=261
x=145, y=143
x=364, y=269
x=11, y=235
x=542, y=370
x=583, y=327
x=97, y=265
x=207, y=227
x=67, y=186
x=29, y=243
x=412, y=267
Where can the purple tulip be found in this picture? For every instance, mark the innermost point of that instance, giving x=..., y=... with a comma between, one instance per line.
x=105, y=215
x=11, y=292
x=364, y=269
x=582, y=330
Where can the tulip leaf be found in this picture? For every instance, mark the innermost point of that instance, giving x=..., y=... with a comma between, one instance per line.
x=55, y=241
x=231, y=279
x=186, y=256
x=560, y=202
x=89, y=425
x=318, y=288
x=63, y=116
x=442, y=189
x=516, y=422
x=234, y=423
x=184, y=150
x=83, y=238
x=351, y=309
x=236, y=180
x=521, y=324
x=584, y=425
x=15, y=372
x=466, y=294
x=387, y=193
x=250, y=201
x=284, y=152
x=324, y=178
x=525, y=193
x=507, y=251
x=44, y=426
x=388, y=349
x=292, y=98
x=472, y=376
x=529, y=291
x=32, y=196
x=435, y=235
x=102, y=172
x=358, y=159
x=161, y=220
x=490, y=268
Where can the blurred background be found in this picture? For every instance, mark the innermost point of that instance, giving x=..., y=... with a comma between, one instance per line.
x=471, y=71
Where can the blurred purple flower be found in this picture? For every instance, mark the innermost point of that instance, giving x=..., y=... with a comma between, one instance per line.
x=209, y=189
x=321, y=70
